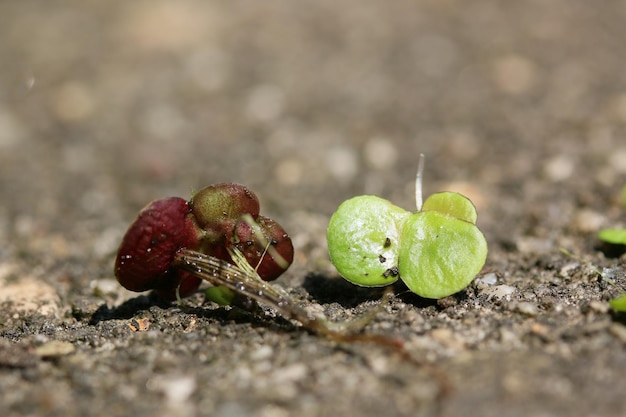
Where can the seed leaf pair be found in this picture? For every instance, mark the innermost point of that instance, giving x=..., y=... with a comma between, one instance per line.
x=437, y=251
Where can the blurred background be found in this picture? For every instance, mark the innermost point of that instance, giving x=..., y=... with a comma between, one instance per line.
x=105, y=106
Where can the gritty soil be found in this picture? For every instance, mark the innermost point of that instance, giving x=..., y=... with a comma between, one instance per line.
x=105, y=106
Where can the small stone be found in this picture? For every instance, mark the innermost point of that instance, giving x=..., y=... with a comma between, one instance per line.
x=262, y=353
x=588, y=221
x=499, y=292
x=139, y=325
x=540, y=330
x=28, y=294
x=176, y=389
x=509, y=337
x=379, y=364
x=567, y=270
x=447, y=338
x=530, y=309
x=447, y=302
x=55, y=349
x=533, y=245
x=486, y=280
x=104, y=286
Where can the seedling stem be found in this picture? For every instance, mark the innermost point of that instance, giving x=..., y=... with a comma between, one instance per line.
x=418, y=183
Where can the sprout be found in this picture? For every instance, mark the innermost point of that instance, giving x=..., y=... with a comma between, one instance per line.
x=437, y=250
x=619, y=304
x=218, y=219
x=613, y=236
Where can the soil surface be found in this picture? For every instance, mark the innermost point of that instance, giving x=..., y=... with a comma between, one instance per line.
x=105, y=106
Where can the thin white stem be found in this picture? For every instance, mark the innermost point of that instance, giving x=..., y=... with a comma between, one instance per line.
x=418, y=183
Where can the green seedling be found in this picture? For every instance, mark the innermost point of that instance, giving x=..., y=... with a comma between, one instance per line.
x=613, y=236
x=436, y=250
x=619, y=304
x=616, y=237
x=220, y=295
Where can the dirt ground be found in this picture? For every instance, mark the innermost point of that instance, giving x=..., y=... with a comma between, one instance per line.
x=105, y=106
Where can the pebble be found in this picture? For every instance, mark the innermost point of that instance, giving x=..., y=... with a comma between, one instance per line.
x=284, y=380
x=262, y=353
x=289, y=374
x=568, y=269
x=499, y=292
x=176, y=388
x=28, y=294
x=379, y=365
x=55, y=349
x=530, y=309
x=588, y=221
x=447, y=338
x=533, y=245
x=104, y=286
x=486, y=280
x=139, y=325
x=540, y=330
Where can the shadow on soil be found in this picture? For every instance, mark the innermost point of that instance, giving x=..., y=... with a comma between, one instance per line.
x=326, y=290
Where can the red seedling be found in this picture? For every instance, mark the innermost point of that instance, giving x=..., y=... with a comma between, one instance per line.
x=164, y=227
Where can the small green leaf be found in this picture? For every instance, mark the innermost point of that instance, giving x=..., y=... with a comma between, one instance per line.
x=440, y=255
x=220, y=295
x=452, y=204
x=619, y=303
x=613, y=236
x=363, y=240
